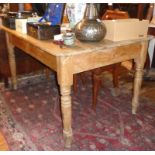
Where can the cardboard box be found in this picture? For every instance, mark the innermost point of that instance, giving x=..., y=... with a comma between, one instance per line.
x=126, y=29
x=21, y=25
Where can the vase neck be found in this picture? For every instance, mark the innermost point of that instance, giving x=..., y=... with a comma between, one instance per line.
x=91, y=11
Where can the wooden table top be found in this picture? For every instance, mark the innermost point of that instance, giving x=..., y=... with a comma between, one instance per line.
x=77, y=48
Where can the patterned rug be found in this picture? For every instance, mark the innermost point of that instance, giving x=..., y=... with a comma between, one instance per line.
x=30, y=117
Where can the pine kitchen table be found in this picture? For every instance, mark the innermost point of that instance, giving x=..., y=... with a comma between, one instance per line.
x=69, y=60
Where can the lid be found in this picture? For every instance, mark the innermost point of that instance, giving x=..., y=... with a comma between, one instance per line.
x=13, y=14
x=68, y=35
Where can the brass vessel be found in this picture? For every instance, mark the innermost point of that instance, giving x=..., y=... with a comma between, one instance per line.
x=90, y=28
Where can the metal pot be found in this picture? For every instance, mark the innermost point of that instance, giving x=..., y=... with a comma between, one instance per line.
x=90, y=28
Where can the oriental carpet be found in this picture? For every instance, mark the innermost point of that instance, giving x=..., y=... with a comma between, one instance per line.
x=30, y=117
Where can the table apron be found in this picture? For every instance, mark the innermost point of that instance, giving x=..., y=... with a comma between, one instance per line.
x=96, y=59
x=43, y=56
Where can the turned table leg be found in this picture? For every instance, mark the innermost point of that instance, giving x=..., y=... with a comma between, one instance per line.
x=66, y=114
x=12, y=62
x=65, y=81
x=140, y=60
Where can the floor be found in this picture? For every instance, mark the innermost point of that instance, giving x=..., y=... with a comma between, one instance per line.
x=148, y=84
x=3, y=143
x=148, y=87
x=148, y=91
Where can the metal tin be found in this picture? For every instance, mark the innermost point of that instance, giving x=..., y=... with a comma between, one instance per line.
x=69, y=39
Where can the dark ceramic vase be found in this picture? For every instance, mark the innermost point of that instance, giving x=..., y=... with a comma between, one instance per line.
x=90, y=28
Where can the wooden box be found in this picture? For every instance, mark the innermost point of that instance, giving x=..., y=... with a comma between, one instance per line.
x=126, y=29
x=42, y=31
